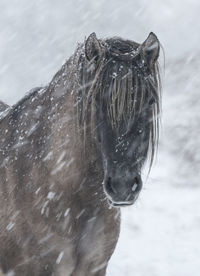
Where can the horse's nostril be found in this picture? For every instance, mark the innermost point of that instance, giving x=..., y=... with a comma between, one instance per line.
x=137, y=180
x=109, y=186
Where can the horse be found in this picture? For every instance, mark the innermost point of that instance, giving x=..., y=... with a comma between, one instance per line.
x=71, y=155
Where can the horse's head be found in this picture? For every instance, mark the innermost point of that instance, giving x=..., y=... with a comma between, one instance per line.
x=122, y=104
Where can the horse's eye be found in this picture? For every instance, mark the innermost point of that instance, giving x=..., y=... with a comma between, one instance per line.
x=151, y=101
x=136, y=131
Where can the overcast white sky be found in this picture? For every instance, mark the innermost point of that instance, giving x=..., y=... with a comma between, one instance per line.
x=37, y=36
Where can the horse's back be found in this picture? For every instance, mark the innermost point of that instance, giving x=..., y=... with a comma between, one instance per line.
x=4, y=108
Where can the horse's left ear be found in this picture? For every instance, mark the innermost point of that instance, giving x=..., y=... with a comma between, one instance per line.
x=150, y=49
x=93, y=49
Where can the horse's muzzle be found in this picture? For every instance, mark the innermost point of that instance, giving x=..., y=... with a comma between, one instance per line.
x=122, y=191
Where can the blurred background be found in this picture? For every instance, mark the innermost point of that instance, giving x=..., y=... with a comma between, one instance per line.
x=160, y=233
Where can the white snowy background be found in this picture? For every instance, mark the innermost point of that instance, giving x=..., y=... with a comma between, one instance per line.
x=160, y=233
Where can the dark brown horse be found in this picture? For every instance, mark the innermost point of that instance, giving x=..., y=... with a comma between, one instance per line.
x=70, y=153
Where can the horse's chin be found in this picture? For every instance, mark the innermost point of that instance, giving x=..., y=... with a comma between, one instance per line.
x=120, y=204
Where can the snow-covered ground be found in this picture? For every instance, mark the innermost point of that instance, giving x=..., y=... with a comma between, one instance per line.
x=159, y=235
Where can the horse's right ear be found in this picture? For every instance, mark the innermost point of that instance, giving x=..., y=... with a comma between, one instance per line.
x=150, y=49
x=93, y=49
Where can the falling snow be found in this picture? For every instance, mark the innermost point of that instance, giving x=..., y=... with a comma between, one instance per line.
x=10, y=226
x=160, y=233
x=60, y=256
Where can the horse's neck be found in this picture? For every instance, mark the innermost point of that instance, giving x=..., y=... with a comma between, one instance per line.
x=65, y=136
